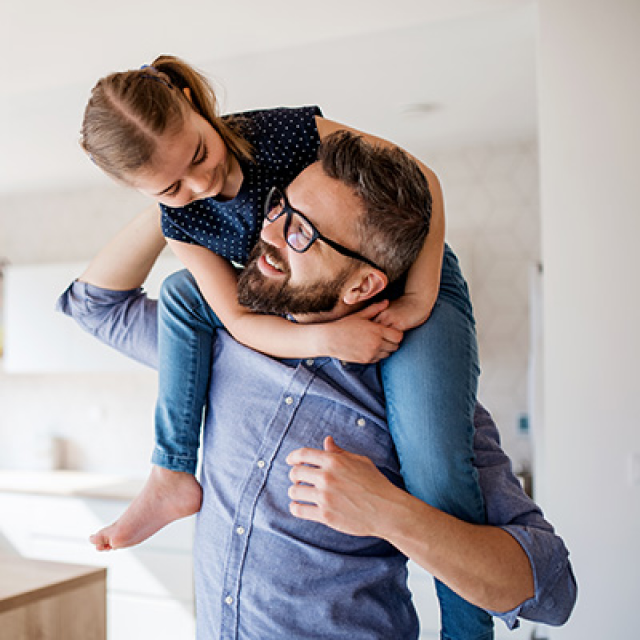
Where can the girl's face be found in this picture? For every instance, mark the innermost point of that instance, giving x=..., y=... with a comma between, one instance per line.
x=190, y=164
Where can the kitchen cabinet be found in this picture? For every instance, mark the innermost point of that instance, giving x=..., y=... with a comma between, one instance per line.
x=38, y=339
x=51, y=601
x=49, y=516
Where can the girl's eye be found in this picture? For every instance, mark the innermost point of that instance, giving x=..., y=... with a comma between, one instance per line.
x=203, y=157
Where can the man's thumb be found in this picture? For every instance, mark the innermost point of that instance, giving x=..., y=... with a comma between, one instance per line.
x=330, y=445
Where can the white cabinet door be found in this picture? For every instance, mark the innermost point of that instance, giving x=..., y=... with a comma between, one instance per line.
x=39, y=339
x=149, y=587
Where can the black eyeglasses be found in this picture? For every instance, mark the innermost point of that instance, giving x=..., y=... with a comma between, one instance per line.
x=299, y=232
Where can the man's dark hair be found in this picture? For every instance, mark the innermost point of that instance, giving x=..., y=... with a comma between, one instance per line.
x=394, y=194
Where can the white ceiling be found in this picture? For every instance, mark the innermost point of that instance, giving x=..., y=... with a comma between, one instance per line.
x=365, y=62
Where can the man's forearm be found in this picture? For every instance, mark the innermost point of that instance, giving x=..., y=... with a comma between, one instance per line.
x=125, y=261
x=483, y=564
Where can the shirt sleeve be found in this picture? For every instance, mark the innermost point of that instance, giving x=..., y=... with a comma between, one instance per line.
x=509, y=507
x=124, y=320
x=170, y=229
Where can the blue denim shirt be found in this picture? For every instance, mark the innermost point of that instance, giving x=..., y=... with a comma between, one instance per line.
x=260, y=572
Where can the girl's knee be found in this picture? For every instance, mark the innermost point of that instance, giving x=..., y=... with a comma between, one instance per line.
x=179, y=288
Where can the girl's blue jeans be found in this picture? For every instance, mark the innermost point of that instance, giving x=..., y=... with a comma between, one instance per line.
x=186, y=329
x=430, y=387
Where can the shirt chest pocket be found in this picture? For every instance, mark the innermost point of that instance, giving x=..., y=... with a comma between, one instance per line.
x=353, y=430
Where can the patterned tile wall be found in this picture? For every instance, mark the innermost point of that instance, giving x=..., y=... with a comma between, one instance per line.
x=493, y=223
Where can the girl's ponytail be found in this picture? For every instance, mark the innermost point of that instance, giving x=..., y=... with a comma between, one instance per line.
x=204, y=101
x=128, y=111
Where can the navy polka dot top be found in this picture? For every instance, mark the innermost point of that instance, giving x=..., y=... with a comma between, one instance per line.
x=284, y=142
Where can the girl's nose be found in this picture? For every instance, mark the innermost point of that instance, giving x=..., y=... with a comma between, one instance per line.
x=199, y=189
x=199, y=183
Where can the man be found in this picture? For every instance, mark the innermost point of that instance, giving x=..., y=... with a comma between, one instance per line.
x=298, y=537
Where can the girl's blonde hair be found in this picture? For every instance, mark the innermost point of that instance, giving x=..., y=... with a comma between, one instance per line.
x=129, y=110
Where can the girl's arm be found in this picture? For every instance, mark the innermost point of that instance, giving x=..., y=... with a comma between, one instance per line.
x=354, y=338
x=423, y=279
x=126, y=260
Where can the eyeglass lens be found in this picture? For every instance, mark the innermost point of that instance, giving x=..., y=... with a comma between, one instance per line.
x=298, y=232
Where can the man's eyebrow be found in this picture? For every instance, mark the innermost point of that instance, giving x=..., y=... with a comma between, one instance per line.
x=193, y=159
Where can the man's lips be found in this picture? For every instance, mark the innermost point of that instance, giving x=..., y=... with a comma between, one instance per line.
x=270, y=266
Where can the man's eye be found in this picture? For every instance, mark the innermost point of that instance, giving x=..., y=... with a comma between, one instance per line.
x=303, y=231
x=274, y=209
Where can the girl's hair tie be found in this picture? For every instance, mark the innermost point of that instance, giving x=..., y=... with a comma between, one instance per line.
x=155, y=75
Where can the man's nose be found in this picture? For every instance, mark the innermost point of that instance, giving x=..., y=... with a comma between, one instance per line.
x=273, y=232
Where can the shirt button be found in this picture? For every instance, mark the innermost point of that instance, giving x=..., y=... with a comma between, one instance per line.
x=361, y=422
x=240, y=530
x=289, y=400
x=310, y=362
x=261, y=464
x=229, y=600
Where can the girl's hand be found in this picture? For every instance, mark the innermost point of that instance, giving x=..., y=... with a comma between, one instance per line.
x=343, y=490
x=359, y=338
x=406, y=312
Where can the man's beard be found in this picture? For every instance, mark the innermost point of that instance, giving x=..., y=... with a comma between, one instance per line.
x=279, y=297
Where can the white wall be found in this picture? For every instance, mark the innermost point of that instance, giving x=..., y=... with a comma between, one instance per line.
x=106, y=418
x=589, y=88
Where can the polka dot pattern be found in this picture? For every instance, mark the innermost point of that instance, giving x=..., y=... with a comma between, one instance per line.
x=285, y=141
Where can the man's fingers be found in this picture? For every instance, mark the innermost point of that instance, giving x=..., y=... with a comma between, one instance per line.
x=303, y=493
x=305, y=473
x=306, y=455
x=304, y=511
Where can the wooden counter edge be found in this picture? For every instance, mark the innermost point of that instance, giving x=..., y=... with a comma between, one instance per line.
x=88, y=576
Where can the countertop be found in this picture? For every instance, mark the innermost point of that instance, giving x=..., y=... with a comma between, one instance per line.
x=23, y=580
x=70, y=483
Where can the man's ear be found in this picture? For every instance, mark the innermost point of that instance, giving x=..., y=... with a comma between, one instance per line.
x=368, y=284
x=187, y=93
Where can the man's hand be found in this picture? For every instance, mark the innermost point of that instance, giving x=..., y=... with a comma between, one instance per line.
x=343, y=490
x=483, y=564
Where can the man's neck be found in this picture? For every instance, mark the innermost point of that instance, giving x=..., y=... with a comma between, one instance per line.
x=339, y=311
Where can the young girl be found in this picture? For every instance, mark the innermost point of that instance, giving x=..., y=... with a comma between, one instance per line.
x=157, y=129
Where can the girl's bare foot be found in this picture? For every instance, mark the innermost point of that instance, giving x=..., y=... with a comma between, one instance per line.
x=166, y=496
